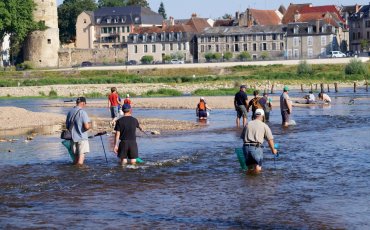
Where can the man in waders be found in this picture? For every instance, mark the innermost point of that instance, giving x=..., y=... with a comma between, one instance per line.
x=81, y=124
x=125, y=145
x=253, y=136
x=240, y=104
x=285, y=106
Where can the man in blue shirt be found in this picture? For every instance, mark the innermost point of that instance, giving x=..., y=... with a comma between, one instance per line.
x=78, y=118
x=240, y=104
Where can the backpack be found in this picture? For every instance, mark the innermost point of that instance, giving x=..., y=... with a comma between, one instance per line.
x=256, y=103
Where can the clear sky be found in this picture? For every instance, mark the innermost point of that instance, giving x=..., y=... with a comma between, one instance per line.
x=182, y=9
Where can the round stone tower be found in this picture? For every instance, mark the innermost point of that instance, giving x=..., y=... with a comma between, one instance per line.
x=42, y=47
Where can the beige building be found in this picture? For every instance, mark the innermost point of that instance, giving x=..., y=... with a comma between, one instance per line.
x=359, y=27
x=256, y=40
x=109, y=27
x=41, y=47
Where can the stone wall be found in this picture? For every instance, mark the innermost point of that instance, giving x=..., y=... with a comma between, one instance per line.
x=71, y=57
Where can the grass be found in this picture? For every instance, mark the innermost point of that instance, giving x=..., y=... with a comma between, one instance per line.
x=219, y=92
x=162, y=93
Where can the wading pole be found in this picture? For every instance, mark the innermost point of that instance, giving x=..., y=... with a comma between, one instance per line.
x=105, y=154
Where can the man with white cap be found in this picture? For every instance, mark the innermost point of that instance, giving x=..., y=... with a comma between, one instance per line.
x=253, y=136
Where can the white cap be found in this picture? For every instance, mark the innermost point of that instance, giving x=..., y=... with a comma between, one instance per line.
x=127, y=95
x=201, y=98
x=259, y=112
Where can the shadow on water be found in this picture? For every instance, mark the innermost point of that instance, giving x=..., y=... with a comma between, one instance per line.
x=192, y=179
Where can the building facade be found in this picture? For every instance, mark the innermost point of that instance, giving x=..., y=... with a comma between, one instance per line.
x=359, y=27
x=307, y=40
x=109, y=27
x=258, y=41
x=41, y=47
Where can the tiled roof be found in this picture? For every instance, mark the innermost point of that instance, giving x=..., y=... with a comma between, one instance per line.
x=235, y=30
x=328, y=17
x=197, y=24
x=321, y=9
x=292, y=9
x=265, y=17
x=224, y=22
x=155, y=29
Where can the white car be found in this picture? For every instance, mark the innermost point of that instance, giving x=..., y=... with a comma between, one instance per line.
x=336, y=54
x=175, y=61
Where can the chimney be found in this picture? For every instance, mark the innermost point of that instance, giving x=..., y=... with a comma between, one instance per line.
x=249, y=18
x=297, y=16
x=237, y=15
x=172, y=21
x=194, y=15
x=164, y=24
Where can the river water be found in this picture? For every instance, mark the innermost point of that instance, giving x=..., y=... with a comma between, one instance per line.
x=192, y=179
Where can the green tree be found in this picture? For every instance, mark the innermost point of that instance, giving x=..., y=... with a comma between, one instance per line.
x=111, y=3
x=162, y=11
x=177, y=55
x=167, y=58
x=244, y=56
x=364, y=44
x=227, y=16
x=147, y=59
x=67, y=17
x=217, y=56
x=142, y=3
x=208, y=56
x=228, y=55
x=265, y=55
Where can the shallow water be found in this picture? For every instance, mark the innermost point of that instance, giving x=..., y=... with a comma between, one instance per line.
x=193, y=180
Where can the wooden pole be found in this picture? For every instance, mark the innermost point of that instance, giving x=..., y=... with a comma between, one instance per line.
x=315, y=86
x=354, y=87
x=328, y=88
x=336, y=87
x=322, y=87
x=367, y=85
x=302, y=87
x=311, y=87
x=272, y=88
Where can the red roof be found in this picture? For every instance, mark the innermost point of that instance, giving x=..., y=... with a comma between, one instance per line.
x=321, y=9
x=329, y=18
x=292, y=9
x=265, y=17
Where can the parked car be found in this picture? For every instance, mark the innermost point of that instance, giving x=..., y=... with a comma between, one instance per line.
x=131, y=62
x=86, y=63
x=336, y=54
x=175, y=61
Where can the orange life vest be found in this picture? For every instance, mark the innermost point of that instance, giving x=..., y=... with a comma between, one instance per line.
x=202, y=105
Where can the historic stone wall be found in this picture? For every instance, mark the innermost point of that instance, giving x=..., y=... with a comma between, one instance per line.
x=71, y=57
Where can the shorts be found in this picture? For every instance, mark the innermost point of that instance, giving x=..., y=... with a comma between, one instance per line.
x=114, y=111
x=285, y=116
x=202, y=113
x=253, y=155
x=128, y=149
x=81, y=147
x=241, y=111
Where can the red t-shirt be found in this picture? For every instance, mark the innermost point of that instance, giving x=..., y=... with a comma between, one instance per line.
x=113, y=98
x=127, y=101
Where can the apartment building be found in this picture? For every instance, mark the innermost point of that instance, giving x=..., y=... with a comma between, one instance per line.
x=359, y=25
x=255, y=40
x=109, y=27
x=312, y=39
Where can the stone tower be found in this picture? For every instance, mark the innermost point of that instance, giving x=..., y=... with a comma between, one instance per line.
x=42, y=47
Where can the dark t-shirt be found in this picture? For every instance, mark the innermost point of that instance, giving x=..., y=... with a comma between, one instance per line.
x=240, y=98
x=127, y=125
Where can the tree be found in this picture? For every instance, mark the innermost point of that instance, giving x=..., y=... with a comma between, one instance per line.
x=162, y=11
x=244, y=56
x=364, y=44
x=111, y=3
x=228, y=55
x=142, y=3
x=227, y=16
x=67, y=17
x=147, y=59
x=265, y=55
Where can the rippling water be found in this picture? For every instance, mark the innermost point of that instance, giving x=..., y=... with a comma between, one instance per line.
x=193, y=180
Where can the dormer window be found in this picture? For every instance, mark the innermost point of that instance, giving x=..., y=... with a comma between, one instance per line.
x=162, y=36
x=154, y=37
x=179, y=36
x=170, y=36
x=123, y=20
x=310, y=29
x=134, y=38
x=98, y=20
x=296, y=30
x=145, y=37
x=115, y=20
x=109, y=20
x=323, y=29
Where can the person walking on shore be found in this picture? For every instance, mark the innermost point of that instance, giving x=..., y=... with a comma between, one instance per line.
x=240, y=104
x=253, y=136
x=255, y=104
x=285, y=106
x=113, y=102
x=125, y=145
x=80, y=121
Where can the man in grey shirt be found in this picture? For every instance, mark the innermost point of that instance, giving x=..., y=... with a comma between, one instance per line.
x=81, y=124
x=285, y=106
x=253, y=136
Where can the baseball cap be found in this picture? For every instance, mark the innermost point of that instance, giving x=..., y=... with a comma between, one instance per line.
x=126, y=107
x=286, y=88
x=80, y=99
x=202, y=98
x=243, y=86
x=259, y=112
x=127, y=95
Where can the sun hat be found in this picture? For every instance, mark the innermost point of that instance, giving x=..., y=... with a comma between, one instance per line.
x=259, y=112
x=126, y=107
x=286, y=88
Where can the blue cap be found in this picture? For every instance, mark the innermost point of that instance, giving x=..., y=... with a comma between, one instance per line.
x=126, y=107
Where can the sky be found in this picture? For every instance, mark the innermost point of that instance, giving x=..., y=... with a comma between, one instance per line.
x=182, y=9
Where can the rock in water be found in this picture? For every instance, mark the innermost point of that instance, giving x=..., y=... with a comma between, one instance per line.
x=155, y=132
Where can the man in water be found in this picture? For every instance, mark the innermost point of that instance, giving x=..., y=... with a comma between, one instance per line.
x=255, y=103
x=267, y=106
x=202, y=108
x=310, y=98
x=81, y=124
x=240, y=104
x=324, y=97
x=285, y=106
x=253, y=136
x=125, y=145
x=113, y=102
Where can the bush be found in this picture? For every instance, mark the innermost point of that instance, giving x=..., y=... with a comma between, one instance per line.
x=167, y=58
x=355, y=66
x=162, y=93
x=25, y=65
x=147, y=59
x=265, y=55
x=208, y=56
x=53, y=93
x=243, y=56
x=304, y=68
x=178, y=55
x=228, y=55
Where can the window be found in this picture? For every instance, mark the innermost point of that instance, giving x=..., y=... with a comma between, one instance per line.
x=354, y=36
x=217, y=48
x=98, y=20
x=209, y=48
x=163, y=35
x=135, y=49
x=179, y=46
x=170, y=36
x=171, y=46
x=245, y=47
x=144, y=37
x=202, y=48
x=273, y=47
x=135, y=38
x=264, y=37
x=49, y=41
x=281, y=36
x=128, y=29
x=236, y=47
x=109, y=20
x=227, y=38
x=123, y=39
x=216, y=39
x=209, y=39
x=310, y=30
x=154, y=37
x=227, y=48
x=154, y=49
x=163, y=47
x=296, y=53
x=281, y=45
x=310, y=52
x=296, y=30
x=145, y=48
x=367, y=24
x=289, y=53
x=254, y=37
x=254, y=47
x=296, y=41
x=359, y=35
x=368, y=34
x=323, y=40
x=309, y=41
x=274, y=37
x=185, y=48
x=264, y=46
